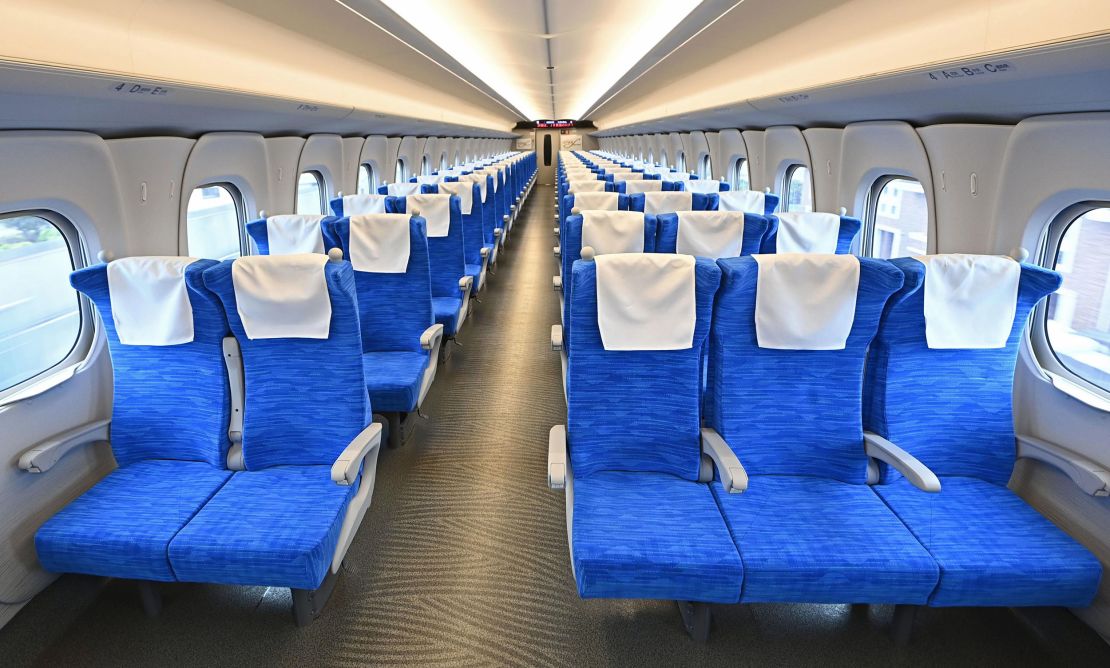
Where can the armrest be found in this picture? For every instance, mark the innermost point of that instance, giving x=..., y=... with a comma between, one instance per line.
x=1088, y=475
x=431, y=337
x=465, y=283
x=484, y=252
x=497, y=231
x=556, y=337
x=556, y=283
x=733, y=476
x=45, y=455
x=917, y=473
x=555, y=230
x=557, y=457
x=557, y=250
x=345, y=469
x=505, y=218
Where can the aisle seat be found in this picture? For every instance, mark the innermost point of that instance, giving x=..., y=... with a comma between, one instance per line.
x=804, y=232
x=290, y=234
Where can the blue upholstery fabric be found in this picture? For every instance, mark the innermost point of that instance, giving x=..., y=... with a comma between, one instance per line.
x=993, y=549
x=473, y=232
x=446, y=311
x=572, y=246
x=123, y=526
x=651, y=535
x=301, y=407
x=698, y=202
x=634, y=410
x=814, y=540
x=849, y=228
x=169, y=402
x=791, y=412
x=952, y=409
x=258, y=233
x=278, y=528
x=446, y=257
x=755, y=227
x=393, y=309
x=393, y=379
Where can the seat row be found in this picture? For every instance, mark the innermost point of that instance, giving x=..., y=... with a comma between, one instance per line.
x=803, y=428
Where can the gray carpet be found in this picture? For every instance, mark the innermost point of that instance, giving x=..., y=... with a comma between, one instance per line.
x=462, y=559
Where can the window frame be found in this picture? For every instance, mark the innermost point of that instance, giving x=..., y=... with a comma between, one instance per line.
x=321, y=185
x=371, y=178
x=734, y=173
x=1044, y=355
x=88, y=328
x=240, y=213
x=400, y=171
x=866, y=239
x=705, y=169
x=787, y=177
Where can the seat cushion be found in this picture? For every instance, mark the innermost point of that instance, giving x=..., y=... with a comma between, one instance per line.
x=446, y=311
x=123, y=526
x=992, y=547
x=275, y=527
x=817, y=540
x=475, y=272
x=393, y=379
x=651, y=535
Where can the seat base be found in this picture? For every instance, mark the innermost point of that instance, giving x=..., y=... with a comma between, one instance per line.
x=309, y=603
x=696, y=617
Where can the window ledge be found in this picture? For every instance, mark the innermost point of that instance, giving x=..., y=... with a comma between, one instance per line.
x=43, y=385
x=1078, y=392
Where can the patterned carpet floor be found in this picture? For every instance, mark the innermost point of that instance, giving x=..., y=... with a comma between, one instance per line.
x=462, y=559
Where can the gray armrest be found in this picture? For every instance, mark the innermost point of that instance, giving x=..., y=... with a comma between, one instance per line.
x=233, y=362
x=733, y=476
x=465, y=283
x=346, y=467
x=555, y=230
x=556, y=283
x=497, y=231
x=557, y=251
x=431, y=337
x=484, y=253
x=556, y=337
x=1088, y=475
x=917, y=473
x=45, y=455
x=505, y=218
x=557, y=457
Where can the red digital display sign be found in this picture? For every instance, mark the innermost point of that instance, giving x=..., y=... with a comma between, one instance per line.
x=555, y=124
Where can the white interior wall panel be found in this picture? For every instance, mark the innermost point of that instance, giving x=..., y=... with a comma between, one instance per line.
x=236, y=158
x=375, y=152
x=150, y=171
x=784, y=145
x=730, y=147
x=324, y=154
x=283, y=156
x=352, y=153
x=824, y=152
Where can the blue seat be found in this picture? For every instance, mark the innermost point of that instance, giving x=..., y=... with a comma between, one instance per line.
x=170, y=418
x=355, y=205
x=643, y=523
x=952, y=409
x=849, y=228
x=309, y=445
x=755, y=227
x=748, y=201
x=300, y=234
x=451, y=283
x=400, y=338
x=809, y=528
x=657, y=203
x=479, y=251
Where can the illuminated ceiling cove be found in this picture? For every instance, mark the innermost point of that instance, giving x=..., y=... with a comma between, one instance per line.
x=547, y=58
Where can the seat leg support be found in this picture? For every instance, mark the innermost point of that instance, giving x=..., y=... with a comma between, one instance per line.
x=901, y=627
x=308, y=603
x=695, y=617
x=151, y=598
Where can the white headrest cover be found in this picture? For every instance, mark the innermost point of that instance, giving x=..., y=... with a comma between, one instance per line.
x=970, y=300
x=646, y=301
x=150, y=301
x=676, y=176
x=403, y=189
x=355, y=205
x=282, y=296
x=807, y=232
x=747, y=201
x=464, y=190
x=585, y=186
x=428, y=179
x=380, y=243
x=805, y=301
x=642, y=186
x=703, y=186
x=613, y=231
x=480, y=179
x=598, y=201
x=435, y=209
x=292, y=234
x=667, y=202
x=712, y=234
x=495, y=175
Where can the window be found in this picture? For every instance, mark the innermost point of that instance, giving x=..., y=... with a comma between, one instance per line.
x=367, y=181
x=310, y=194
x=663, y=160
x=424, y=166
x=706, y=169
x=1077, y=317
x=399, y=175
x=651, y=157
x=443, y=162
x=739, y=178
x=213, y=223
x=798, y=189
x=680, y=162
x=898, y=219
x=40, y=314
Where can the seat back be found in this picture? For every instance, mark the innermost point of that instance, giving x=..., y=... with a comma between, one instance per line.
x=794, y=411
x=657, y=203
x=289, y=234
x=304, y=397
x=748, y=201
x=634, y=410
x=169, y=401
x=355, y=205
x=394, y=308
x=447, y=253
x=950, y=408
x=709, y=227
x=811, y=233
